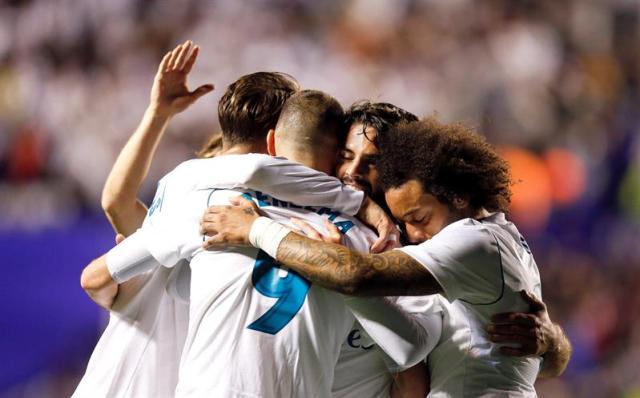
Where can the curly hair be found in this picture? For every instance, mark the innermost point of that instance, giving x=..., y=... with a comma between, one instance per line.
x=379, y=115
x=450, y=160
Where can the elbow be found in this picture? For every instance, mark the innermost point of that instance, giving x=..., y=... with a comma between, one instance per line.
x=87, y=281
x=110, y=205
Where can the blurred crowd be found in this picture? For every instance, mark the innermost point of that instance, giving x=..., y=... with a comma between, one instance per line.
x=554, y=84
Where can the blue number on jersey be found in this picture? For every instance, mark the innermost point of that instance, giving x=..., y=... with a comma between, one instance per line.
x=290, y=291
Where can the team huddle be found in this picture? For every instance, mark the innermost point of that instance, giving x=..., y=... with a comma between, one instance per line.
x=315, y=252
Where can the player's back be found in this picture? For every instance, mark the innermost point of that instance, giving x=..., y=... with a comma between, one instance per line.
x=256, y=329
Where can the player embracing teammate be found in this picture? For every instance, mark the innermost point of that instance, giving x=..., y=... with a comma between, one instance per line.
x=148, y=302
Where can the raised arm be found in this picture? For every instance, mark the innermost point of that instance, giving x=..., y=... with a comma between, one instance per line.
x=169, y=96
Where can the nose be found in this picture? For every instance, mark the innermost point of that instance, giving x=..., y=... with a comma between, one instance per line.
x=415, y=235
x=354, y=169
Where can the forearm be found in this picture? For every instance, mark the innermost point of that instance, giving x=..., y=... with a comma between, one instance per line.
x=337, y=268
x=119, y=196
x=411, y=383
x=555, y=360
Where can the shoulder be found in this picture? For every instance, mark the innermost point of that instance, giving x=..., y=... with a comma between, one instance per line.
x=466, y=236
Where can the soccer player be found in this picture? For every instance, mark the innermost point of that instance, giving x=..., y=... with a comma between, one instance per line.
x=449, y=189
x=365, y=374
x=139, y=351
x=297, y=359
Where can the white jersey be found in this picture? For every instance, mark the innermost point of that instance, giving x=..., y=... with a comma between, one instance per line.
x=280, y=313
x=259, y=330
x=482, y=266
x=364, y=369
x=139, y=352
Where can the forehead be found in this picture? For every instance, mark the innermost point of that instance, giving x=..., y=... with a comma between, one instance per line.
x=406, y=198
x=358, y=143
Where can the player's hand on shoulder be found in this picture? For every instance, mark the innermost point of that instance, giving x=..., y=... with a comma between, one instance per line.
x=534, y=331
x=170, y=94
x=374, y=216
x=333, y=233
x=230, y=224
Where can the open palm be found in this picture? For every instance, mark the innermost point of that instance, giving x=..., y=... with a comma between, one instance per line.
x=170, y=94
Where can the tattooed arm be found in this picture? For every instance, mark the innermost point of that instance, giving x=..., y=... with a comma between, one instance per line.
x=337, y=268
x=332, y=266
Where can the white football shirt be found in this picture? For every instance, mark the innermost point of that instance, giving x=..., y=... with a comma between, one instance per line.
x=481, y=266
x=364, y=369
x=139, y=351
x=254, y=326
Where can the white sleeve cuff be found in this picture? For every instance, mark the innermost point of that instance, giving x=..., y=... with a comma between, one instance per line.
x=129, y=258
x=266, y=234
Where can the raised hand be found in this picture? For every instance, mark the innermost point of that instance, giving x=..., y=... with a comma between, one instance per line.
x=170, y=94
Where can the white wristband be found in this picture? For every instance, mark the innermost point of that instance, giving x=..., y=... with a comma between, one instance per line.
x=266, y=234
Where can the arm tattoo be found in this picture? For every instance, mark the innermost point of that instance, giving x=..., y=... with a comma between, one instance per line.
x=338, y=268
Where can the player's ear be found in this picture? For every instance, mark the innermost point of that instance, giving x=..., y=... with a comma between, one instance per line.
x=271, y=142
x=460, y=203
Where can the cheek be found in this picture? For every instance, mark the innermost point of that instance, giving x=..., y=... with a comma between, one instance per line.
x=341, y=168
x=436, y=224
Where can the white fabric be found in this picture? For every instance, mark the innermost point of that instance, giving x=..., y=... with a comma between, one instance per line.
x=363, y=369
x=266, y=234
x=222, y=355
x=139, y=351
x=128, y=259
x=481, y=266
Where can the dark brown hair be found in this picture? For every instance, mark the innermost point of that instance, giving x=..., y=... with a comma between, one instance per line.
x=379, y=115
x=252, y=104
x=450, y=161
x=312, y=115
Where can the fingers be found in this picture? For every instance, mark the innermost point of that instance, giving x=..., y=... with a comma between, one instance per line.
x=243, y=202
x=517, y=352
x=165, y=62
x=517, y=318
x=534, y=303
x=213, y=242
x=512, y=330
x=208, y=228
x=202, y=90
x=335, y=236
x=188, y=64
x=307, y=229
x=172, y=56
x=181, y=55
x=378, y=245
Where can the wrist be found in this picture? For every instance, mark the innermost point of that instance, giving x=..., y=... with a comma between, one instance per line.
x=158, y=112
x=266, y=235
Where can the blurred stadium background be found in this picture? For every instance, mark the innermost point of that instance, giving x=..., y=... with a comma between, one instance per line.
x=555, y=84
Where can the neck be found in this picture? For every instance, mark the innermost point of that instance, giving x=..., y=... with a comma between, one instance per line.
x=238, y=149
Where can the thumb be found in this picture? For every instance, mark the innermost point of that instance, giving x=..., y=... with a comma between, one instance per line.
x=534, y=303
x=200, y=91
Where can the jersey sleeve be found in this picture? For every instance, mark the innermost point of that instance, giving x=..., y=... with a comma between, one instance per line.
x=286, y=180
x=404, y=338
x=465, y=260
x=129, y=258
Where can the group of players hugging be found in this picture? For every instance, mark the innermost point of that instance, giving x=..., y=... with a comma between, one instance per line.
x=310, y=251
